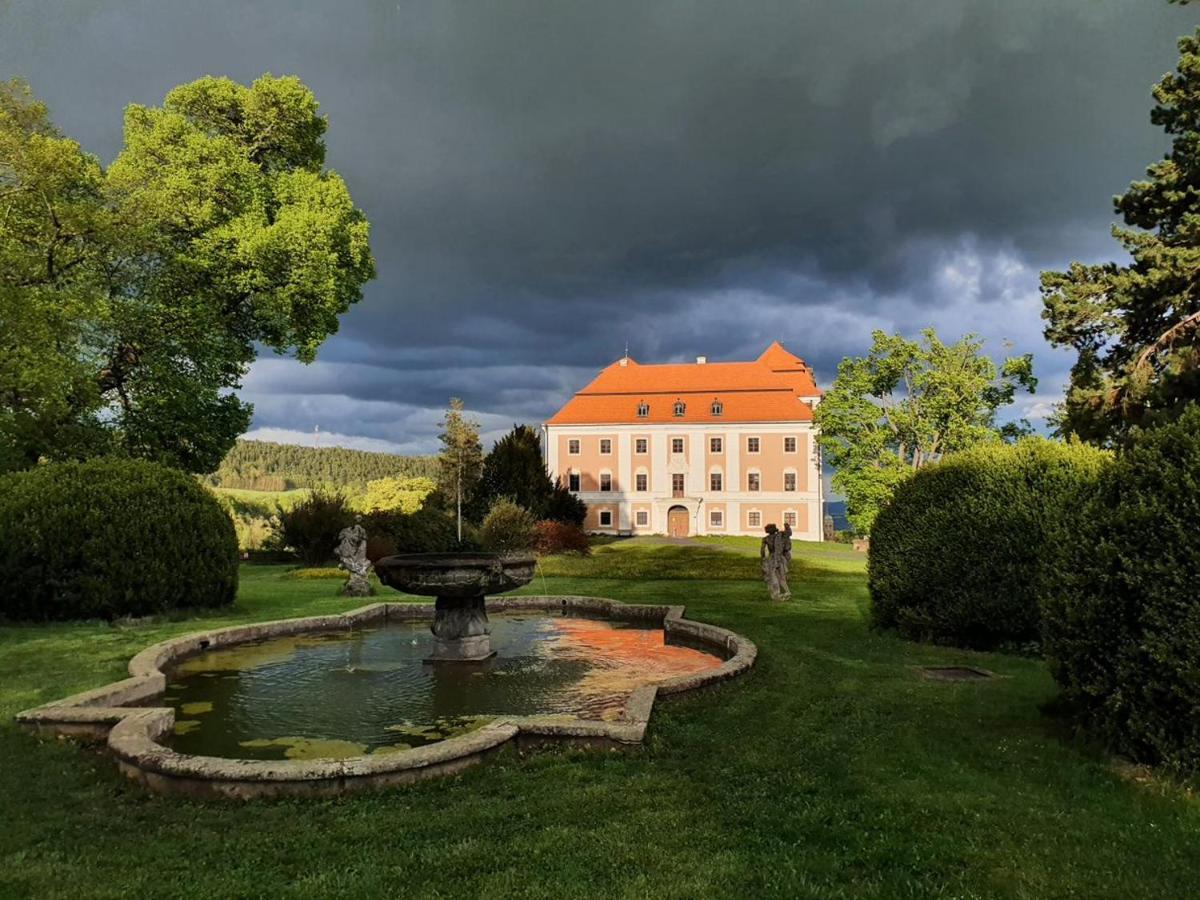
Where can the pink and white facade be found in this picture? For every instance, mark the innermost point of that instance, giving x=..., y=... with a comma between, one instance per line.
x=697, y=448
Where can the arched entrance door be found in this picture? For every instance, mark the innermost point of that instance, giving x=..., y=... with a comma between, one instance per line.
x=677, y=521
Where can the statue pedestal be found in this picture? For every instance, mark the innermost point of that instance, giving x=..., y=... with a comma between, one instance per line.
x=357, y=586
x=461, y=631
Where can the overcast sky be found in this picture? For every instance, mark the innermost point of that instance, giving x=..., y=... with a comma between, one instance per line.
x=548, y=181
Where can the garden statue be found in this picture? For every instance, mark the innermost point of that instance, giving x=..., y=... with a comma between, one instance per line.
x=351, y=552
x=776, y=553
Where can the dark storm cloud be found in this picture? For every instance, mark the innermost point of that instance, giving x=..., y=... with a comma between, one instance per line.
x=548, y=181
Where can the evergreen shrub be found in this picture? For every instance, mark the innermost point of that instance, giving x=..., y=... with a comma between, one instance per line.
x=959, y=554
x=428, y=530
x=312, y=526
x=109, y=538
x=1121, y=616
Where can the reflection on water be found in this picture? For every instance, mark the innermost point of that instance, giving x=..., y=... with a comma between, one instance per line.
x=334, y=696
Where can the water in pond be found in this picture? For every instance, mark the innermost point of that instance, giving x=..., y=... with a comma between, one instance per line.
x=368, y=691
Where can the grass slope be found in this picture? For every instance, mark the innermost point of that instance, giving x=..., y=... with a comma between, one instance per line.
x=831, y=770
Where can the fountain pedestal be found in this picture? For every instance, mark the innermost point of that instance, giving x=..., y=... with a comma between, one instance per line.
x=461, y=584
x=461, y=631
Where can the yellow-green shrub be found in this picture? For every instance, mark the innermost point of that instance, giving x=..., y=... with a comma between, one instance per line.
x=508, y=529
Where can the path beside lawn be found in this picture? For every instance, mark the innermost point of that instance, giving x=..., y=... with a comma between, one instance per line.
x=831, y=770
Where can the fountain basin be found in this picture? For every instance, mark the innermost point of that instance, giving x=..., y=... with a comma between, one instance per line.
x=130, y=717
x=454, y=575
x=460, y=582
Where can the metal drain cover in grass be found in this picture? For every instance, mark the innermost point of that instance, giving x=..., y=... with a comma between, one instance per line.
x=955, y=673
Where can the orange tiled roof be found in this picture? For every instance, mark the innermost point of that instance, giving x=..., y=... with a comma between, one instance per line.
x=769, y=389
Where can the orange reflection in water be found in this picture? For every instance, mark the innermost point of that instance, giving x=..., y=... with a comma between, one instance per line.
x=621, y=660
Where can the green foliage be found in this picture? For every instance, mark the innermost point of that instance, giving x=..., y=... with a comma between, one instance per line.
x=405, y=495
x=907, y=404
x=263, y=466
x=44, y=308
x=255, y=475
x=960, y=553
x=1122, y=616
x=254, y=515
x=460, y=464
x=507, y=529
x=109, y=538
x=430, y=529
x=1135, y=327
x=262, y=503
x=132, y=299
x=515, y=469
x=551, y=537
x=311, y=527
x=565, y=507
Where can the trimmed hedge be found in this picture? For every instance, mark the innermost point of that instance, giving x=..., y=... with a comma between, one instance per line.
x=1121, y=616
x=428, y=530
x=111, y=537
x=958, y=555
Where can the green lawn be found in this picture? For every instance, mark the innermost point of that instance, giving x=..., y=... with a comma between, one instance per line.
x=831, y=770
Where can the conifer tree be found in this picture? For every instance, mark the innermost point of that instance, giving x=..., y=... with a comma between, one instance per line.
x=1135, y=327
x=460, y=463
x=515, y=469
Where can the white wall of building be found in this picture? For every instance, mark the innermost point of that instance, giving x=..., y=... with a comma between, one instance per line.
x=735, y=498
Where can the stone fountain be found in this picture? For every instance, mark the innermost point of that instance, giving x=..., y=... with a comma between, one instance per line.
x=461, y=584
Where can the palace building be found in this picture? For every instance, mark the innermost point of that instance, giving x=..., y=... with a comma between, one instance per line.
x=693, y=448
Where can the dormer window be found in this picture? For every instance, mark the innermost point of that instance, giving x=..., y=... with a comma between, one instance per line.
x=680, y=407
x=718, y=408
x=643, y=410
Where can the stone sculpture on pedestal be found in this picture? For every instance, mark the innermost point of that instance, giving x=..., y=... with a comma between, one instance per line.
x=351, y=552
x=776, y=556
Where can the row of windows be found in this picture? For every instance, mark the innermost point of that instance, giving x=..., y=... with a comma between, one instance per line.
x=717, y=408
x=715, y=445
x=716, y=481
x=716, y=518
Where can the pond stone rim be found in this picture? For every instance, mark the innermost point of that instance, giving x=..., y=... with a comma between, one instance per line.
x=124, y=715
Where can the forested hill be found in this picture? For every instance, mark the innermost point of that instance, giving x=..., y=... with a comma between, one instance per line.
x=262, y=466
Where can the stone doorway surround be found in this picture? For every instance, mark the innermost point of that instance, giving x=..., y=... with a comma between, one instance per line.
x=662, y=515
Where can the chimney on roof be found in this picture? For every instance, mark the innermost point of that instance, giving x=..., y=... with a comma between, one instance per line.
x=701, y=360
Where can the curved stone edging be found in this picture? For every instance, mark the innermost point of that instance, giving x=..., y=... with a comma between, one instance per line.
x=121, y=712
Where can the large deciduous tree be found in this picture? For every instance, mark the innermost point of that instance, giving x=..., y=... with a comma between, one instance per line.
x=907, y=404
x=1135, y=327
x=132, y=298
